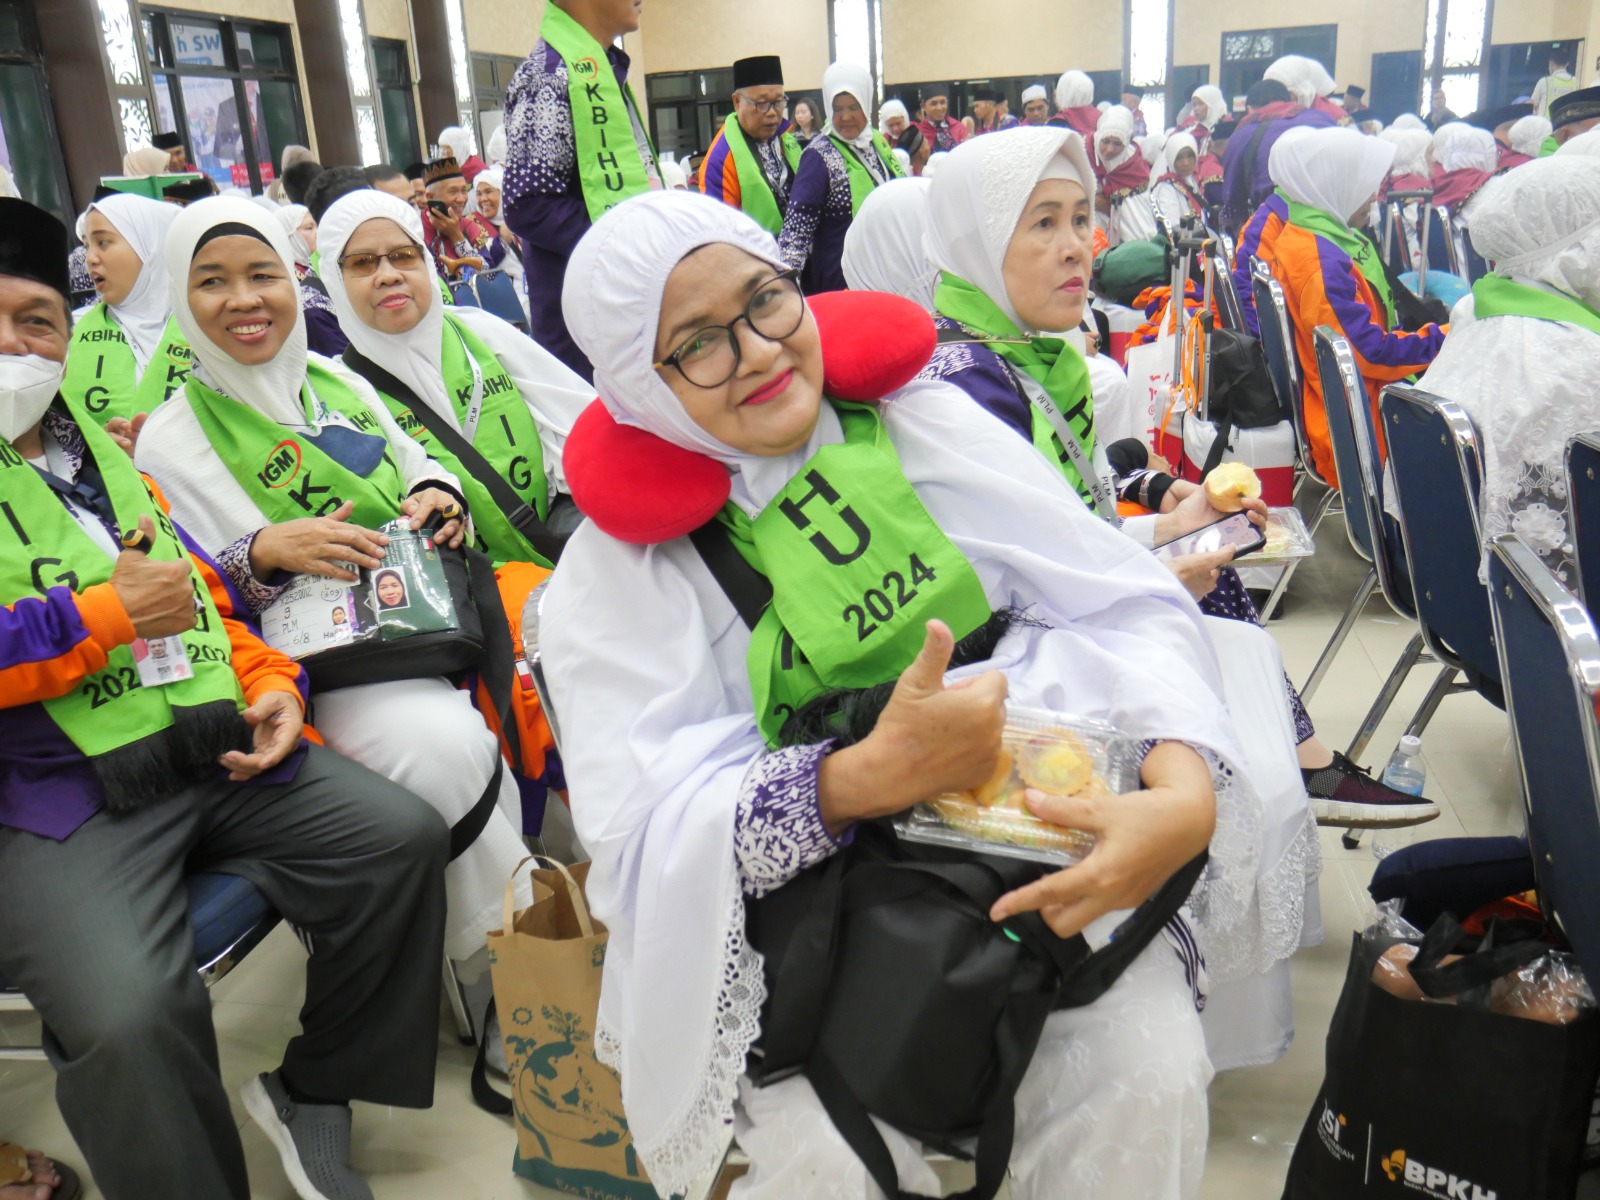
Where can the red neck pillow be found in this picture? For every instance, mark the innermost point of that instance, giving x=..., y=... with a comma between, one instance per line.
x=643, y=490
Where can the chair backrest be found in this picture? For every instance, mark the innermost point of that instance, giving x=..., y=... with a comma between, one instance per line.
x=1396, y=245
x=1583, y=495
x=1277, y=345
x=1550, y=659
x=496, y=292
x=1227, y=298
x=1342, y=394
x=1433, y=453
x=534, y=656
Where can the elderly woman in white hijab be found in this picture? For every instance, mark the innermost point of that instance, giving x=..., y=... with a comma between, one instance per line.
x=256, y=389
x=690, y=801
x=1525, y=367
x=1176, y=191
x=1206, y=108
x=1123, y=200
x=127, y=354
x=893, y=118
x=1075, y=107
x=1004, y=243
x=455, y=142
x=1468, y=158
x=488, y=201
x=1309, y=84
x=837, y=171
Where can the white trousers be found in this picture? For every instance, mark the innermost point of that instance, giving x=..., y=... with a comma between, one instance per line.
x=426, y=736
x=1113, y=1107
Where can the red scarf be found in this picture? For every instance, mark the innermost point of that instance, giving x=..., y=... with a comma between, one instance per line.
x=1454, y=188
x=1082, y=120
x=1129, y=179
x=1186, y=190
x=1403, y=183
x=1511, y=158
x=1208, y=169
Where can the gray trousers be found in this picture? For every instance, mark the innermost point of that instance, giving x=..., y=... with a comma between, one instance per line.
x=94, y=930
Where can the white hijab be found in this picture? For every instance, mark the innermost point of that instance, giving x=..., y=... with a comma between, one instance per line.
x=885, y=248
x=975, y=203
x=612, y=304
x=1411, y=148
x=1335, y=170
x=1458, y=146
x=857, y=81
x=1175, y=145
x=1409, y=121
x=891, y=108
x=1584, y=143
x=1216, y=107
x=497, y=146
x=1306, y=78
x=415, y=357
x=495, y=177
x=273, y=388
x=1074, y=90
x=456, y=141
x=144, y=225
x=1116, y=120
x=1540, y=224
x=1528, y=134
x=291, y=217
x=673, y=176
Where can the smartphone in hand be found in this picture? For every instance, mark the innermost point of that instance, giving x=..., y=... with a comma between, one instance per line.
x=1235, y=529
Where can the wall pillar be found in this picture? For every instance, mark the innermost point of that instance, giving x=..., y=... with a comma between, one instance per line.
x=326, y=86
x=80, y=94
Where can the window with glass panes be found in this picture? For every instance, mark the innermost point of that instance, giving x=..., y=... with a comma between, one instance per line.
x=29, y=146
x=391, y=62
x=229, y=87
x=687, y=108
x=491, y=79
x=1246, y=54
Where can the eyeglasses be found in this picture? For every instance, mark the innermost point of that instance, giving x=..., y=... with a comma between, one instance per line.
x=709, y=357
x=401, y=258
x=765, y=106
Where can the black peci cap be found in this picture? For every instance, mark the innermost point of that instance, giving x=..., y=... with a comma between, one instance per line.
x=989, y=95
x=187, y=191
x=167, y=141
x=763, y=70
x=33, y=245
x=1582, y=105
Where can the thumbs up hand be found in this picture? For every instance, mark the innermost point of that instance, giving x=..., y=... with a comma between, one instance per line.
x=930, y=738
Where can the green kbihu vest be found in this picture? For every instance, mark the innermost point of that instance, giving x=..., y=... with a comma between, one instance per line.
x=755, y=194
x=1493, y=296
x=507, y=436
x=857, y=568
x=1055, y=365
x=861, y=180
x=282, y=470
x=103, y=379
x=609, y=167
x=145, y=742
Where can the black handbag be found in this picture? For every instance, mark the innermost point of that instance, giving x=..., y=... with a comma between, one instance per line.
x=1446, y=1100
x=892, y=991
x=1241, y=393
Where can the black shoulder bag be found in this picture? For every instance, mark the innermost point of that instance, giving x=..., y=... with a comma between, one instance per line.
x=892, y=991
x=524, y=519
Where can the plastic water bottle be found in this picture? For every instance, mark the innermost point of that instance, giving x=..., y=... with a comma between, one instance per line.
x=1406, y=773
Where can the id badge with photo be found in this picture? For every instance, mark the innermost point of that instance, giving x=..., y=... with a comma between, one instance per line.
x=161, y=661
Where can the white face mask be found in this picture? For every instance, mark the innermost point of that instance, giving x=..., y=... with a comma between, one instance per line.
x=27, y=385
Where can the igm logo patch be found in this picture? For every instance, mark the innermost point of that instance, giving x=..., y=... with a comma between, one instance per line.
x=586, y=69
x=282, y=465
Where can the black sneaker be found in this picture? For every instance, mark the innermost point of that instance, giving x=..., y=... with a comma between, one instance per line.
x=1345, y=796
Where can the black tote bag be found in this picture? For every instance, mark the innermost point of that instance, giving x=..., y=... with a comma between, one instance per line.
x=1445, y=1102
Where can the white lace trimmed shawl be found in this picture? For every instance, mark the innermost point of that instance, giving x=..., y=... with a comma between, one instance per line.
x=646, y=661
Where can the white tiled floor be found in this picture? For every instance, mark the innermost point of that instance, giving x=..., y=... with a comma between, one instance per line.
x=455, y=1151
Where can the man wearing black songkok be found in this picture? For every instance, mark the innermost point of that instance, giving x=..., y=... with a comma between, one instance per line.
x=753, y=160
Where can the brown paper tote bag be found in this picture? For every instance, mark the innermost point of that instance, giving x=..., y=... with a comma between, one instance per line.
x=546, y=961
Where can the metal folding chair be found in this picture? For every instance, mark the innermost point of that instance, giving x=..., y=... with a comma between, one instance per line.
x=230, y=917
x=1550, y=663
x=1583, y=495
x=1227, y=298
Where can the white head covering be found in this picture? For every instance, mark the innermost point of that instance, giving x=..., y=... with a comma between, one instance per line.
x=903, y=157
x=1411, y=148
x=1528, y=134
x=935, y=160
x=1305, y=78
x=144, y=225
x=1541, y=224
x=1336, y=170
x=273, y=388
x=1104, y=105
x=1458, y=146
x=497, y=146
x=856, y=80
x=495, y=177
x=1409, y=121
x=1034, y=92
x=1584, y=143
x=143, y=161
x=264, y=203
x=673, y=174
x=612, y=305
x=457, y=139
x=885, y=248
x=1216, y=106
x=1116, y=120
x=975, y=204
x=415, y=357
x=1074, y=90
x=1175, y=145
x=1151, y=146
x=290, y=216
x=891, y=108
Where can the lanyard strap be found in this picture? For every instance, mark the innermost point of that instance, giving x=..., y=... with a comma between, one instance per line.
x=1105, y=505
x=469, y=426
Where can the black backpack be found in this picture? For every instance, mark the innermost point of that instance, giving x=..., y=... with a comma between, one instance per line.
x=1242, y=396
x=892, y=991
